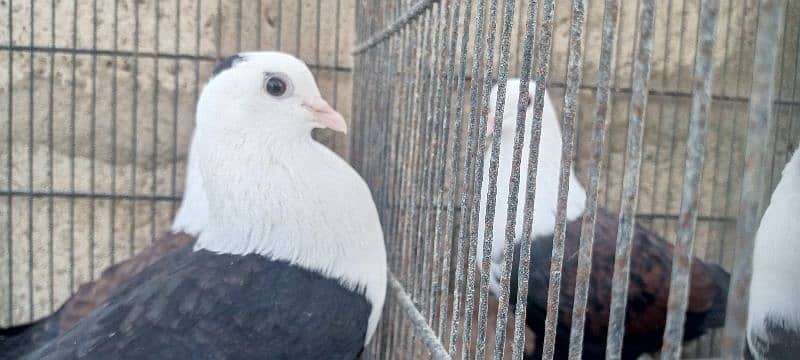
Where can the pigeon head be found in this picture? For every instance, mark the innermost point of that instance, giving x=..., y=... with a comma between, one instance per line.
x=265, y=92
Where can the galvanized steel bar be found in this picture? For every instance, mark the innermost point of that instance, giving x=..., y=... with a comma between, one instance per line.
x=600, y=120
x=630, y=189
x=466, y=173
x=574, y=72
x=530, y=191
x=508, y=255
x=451, y=171
x=542, y=72
x=684, y=246
x=770, y=24
x=480, y=134
x=10, y=167
x=411, y=14
x=426, y=334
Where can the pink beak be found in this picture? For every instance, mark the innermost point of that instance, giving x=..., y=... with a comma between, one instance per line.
x=326, y=116
x=490, y=123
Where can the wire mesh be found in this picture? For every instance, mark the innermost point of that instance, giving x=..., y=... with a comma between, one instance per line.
x=99, y=100
x=97, y=111
x=637, y=63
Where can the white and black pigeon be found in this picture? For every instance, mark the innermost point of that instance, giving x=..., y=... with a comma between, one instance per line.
x=188, y=223
x=773, y=327
x=651, y=259
x=291, y=262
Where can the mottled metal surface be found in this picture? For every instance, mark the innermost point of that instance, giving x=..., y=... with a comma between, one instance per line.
x=630, y=189
x=424, y=331
x=599, y=129
x=684, y=246
x=770, y=25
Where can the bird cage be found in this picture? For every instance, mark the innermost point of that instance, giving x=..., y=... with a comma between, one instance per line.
x=97, y=112
x=670, y=111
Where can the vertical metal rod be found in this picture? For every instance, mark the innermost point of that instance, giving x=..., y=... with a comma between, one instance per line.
x=750, y=208
x=134, y=129
x=466, y=172
x=600, y=121
x=687, y=221
x=574, y=72
x=451, y=171
x=479, y=136
x=630, y=187
x=510, y=233
x=93, y=145
x=30, y=166
x=50, y=166
x=71, y=151
x=175, y=108
x=112, y=244
x=9, y=165
x=530, y=186
x=156, y=117
x=492, y=185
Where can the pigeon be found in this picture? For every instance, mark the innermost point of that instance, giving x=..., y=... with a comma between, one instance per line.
x=290, y=262
x=773, y=327
x=651, y=258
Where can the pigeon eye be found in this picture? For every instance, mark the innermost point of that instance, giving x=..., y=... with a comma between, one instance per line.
x=276, y=86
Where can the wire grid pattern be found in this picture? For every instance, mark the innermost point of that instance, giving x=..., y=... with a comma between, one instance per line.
x=97, y=111
x=423, y=71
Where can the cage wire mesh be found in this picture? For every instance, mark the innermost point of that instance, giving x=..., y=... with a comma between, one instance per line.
x=664, y=100
x=98, y=109
x=97, y=112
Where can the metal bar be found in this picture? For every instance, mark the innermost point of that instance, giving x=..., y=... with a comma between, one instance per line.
x=492, y=184
x=93, y=144
x=763, y=90
x=448, y=179
x=600, y=120
x=144, y=55
x=508, y=256
x=630, y=189
x=72, y=152
x=31, y=86
x=466, y=179
x=425, y=332
x=406, y=18
x=155, y=119
x=50, y=153
x=684, y=246
x=175, y=102
x=530, y=186
x=574, y=68
x=479, y=141
x=113, y=205
x=10, y=167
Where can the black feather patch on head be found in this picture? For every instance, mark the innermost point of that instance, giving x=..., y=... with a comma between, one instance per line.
x=226, y=64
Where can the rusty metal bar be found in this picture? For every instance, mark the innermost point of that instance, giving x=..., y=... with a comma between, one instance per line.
x=684, y=246
x=770, y=24
x=599, y=129
x=407, y=17
x=630, y=189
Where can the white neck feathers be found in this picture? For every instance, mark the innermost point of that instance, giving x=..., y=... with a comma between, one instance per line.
x=775, y=284
x=297, y=201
